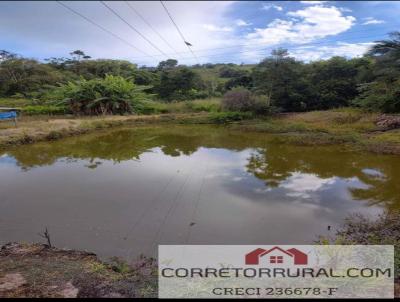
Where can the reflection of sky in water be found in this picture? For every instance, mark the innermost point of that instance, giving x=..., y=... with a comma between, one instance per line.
x=210, y=195
x=372, y=172
x=5, y=159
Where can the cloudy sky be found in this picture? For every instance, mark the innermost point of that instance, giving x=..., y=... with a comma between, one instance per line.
x=220, y=31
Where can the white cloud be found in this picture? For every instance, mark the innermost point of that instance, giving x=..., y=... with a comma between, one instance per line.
x=302, y=185
x=212, y=27
x=345, y=9
x=240, y=22
x=318, y=21
x=46, y=29
x=371, y=20
x=205, y=24
x=312, y=2
x=349, y=50
x=305, y=26
x=269, y=6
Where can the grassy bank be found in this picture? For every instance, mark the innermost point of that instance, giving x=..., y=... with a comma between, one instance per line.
x=359, y=229
x=44, y=128
x=352, y=128
x=33, y=108
x=34, y=270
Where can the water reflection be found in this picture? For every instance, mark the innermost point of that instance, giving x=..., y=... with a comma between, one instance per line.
x=122, y=192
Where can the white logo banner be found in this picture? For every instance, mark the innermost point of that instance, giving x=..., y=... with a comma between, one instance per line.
x=284, y=271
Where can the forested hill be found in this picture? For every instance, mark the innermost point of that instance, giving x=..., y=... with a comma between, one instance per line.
x=279, y=81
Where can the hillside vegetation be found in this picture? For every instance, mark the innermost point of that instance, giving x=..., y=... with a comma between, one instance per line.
x=279, y=83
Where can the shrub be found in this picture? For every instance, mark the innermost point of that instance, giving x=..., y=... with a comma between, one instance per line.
x=228, y=117
x=111, y=95
x=379, y=96
x=242, y=100
x=238, y=99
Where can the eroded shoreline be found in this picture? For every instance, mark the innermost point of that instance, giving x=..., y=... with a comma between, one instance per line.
x=36, y=270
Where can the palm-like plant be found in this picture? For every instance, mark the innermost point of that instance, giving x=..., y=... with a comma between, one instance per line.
x=111, y=95
x=390, y=47
x=387, y=54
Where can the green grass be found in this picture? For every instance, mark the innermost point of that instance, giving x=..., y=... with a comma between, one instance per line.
x=14, y=102
x=354, y=128
x=203, y=105
x=30, y=107
x=44, y=110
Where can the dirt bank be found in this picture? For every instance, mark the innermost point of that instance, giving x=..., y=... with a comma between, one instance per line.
x=352, y=128
x=34, y=270
x=37, y=129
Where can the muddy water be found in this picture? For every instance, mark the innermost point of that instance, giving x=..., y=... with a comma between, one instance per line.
x=123, y=192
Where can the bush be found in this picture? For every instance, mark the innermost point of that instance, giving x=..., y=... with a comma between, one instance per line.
x=111, y=95
x=242, y=100
x=380, y=96
x=228, y=117
x=238, y=99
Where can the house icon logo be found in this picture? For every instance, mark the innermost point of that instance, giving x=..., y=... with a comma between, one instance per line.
x=276, y=255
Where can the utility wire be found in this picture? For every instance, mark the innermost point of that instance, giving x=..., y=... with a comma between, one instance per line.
x=180, y=33
x=133, y=28
x=185, y=58
x=103, y=28
x=152, y=28
x=200, y=50
x=276, y=45
x=259, y=49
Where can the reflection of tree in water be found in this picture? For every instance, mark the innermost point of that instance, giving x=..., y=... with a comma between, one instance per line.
x=127, y=144
x=271, y=162
x=277, y=162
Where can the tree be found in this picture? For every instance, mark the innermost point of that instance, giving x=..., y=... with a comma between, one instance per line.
x=241, y=79
x=25, y=76
x=5, y=55
x=334, y=82
x=91, y=69
x=78, y=55
x=390, y=47
x=281, y=79
x=178, y=84
x=168, y=64
x=383, y=93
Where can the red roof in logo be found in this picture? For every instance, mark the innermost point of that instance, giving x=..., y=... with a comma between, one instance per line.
x=299, y=258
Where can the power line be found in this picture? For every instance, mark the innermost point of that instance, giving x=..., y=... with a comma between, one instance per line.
x=250, y=51
x=180, y=33
x=260, y=44
x=133, y=28
x=103, y=28
x=204, y=56
x=263, y=49
x=149, y=25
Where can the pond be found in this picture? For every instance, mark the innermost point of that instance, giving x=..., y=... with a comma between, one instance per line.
x=122, y=192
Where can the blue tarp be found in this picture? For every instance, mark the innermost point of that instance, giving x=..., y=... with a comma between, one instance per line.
x=7, y=115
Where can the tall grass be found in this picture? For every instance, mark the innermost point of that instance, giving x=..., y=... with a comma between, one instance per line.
x=15, y=102
x=203, y=105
